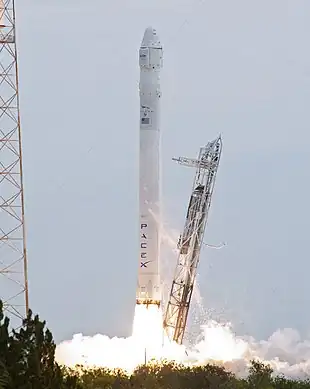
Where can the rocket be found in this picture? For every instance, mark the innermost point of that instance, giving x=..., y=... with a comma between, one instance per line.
x=150, y=62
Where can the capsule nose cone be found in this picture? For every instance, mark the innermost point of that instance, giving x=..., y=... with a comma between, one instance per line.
x=150, y=38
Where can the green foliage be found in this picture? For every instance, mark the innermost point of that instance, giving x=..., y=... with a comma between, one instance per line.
x=4, y=376
x=27, y=357
x=260, y=376
x=27, y=361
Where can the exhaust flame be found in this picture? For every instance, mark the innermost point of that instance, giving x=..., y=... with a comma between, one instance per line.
x=147, y=343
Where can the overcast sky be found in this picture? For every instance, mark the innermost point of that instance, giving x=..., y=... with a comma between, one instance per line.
x=240, y=68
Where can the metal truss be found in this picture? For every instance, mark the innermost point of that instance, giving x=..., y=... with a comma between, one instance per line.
x=13, y=259
x=190, y=241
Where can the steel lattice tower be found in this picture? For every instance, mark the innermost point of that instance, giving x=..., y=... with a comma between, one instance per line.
x=13, y=260
x=191, y=239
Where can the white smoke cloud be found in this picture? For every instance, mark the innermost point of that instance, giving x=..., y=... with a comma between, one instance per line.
x=285, y=351
x=211, y=341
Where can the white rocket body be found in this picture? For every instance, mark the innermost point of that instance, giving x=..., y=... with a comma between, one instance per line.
x=151, y=62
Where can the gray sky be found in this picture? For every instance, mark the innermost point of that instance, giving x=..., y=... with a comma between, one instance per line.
x=240, y=68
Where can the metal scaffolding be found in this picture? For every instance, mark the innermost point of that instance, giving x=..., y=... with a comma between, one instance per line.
x=13, y=259
x=190, y=241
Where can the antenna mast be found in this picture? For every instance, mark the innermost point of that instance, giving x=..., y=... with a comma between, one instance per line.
x=13, y=259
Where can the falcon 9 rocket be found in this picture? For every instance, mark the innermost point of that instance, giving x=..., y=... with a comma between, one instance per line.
x=151, y=61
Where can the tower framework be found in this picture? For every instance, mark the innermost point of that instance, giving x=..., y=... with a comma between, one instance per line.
x=190, y=241
x=13, y=256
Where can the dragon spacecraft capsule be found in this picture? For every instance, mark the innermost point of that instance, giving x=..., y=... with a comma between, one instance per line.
x=150, y=61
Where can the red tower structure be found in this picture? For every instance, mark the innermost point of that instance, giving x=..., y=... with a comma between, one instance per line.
x=13, y=255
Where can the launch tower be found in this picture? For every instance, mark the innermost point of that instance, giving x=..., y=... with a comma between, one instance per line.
x=13, y=259
x=190, y=241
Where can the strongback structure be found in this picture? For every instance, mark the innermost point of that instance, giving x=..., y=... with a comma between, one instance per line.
x=190, y=241
x=13, y=260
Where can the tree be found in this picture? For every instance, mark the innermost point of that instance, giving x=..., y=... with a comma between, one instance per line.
x=27, y=356
x=260, y=375
x=31, y=356
x=4, y=341
x=4, y=376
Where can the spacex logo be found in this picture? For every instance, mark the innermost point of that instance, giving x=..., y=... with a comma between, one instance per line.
x=143, y=244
